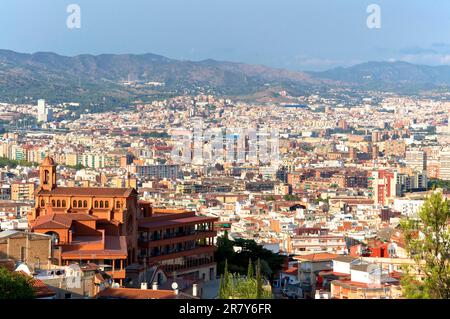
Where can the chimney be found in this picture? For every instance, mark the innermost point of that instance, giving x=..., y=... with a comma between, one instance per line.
x=194, y=290
x=155, y=286
x=144, y=286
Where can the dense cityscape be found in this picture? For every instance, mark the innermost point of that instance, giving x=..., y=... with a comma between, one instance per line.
x=105, y=192
x=237, y=158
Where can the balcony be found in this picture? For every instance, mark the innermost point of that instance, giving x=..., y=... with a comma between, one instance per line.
x=183, y=253
x=189, y=264
x=178, y=238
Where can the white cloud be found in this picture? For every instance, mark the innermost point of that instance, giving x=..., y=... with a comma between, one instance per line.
x=427, y=58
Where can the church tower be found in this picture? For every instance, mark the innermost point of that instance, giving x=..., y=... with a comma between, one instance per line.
x=47, y=174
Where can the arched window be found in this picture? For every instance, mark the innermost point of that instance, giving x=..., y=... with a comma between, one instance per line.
x=42, y=203
x=63, y=203
x=80, y=204
x=101, y=204
x=46, y=175
x=74, y=204
x=58, y=203
x=106, y=204
x=96, y=204
x=85, y=204
x=53, y=203
x=55, y=237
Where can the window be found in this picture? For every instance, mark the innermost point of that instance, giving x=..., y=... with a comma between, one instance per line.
x=58, y=203
x=101, y=204
x=46, y=173
x=117, y=205
x=106, y=204
x=53, y=203
x=80, y=203
x=64, y=203
x=85, y=204
x=22, y=253
x=74, y=204
x=96, y=204
x=42, y=203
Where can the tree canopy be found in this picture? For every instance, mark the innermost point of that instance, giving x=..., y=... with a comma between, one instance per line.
x=427, y=241
x=238, y=262
x=235, y=286
x=14, y=285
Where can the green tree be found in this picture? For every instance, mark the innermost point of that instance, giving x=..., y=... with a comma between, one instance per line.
x=427, y=241
x=221, y=288
x=15, y=285
x=258, y=280
x=225, y=275
x=271, y=263
x=238, y=287
x=250, y=269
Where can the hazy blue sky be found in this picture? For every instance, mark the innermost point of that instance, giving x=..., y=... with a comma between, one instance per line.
x=295, y=34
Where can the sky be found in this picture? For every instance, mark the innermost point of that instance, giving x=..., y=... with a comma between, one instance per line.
x=292, y=34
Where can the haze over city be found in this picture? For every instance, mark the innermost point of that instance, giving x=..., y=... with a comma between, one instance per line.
x=298, y=35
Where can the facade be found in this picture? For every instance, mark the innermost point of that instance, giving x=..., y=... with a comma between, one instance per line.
x=386, y=185
x=350, y=179
x=307, y=244
x=408, y=207
x=358, y=278
x=178, y=241
x=309, y=267
x=33, y=249
x=45, y=114
x=159, y=171
x=366, y=281
x=416, y=159
x=87, y=224
x=74, y=282
x=22, y=191
x=444, y=160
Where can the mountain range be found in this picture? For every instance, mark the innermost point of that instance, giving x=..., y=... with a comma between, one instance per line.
x=117, y=79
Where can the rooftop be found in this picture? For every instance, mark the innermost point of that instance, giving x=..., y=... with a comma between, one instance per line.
x=316, y=257
x=60, y=221
x=132, y=293
x=89, y=191
x=115, y=246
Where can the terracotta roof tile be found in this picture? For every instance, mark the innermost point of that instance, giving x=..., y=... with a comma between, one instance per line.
x=130, y=293
x=89, y=191
x=41, y=289
x=59, y=221
x=316, y=257
x=115, y=246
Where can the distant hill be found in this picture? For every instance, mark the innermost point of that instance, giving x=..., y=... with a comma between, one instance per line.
x=97, y=82
x=399, y=77
x=98, y=78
